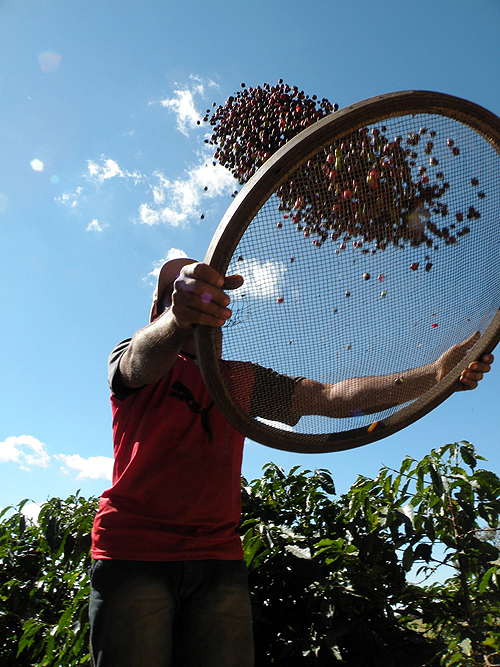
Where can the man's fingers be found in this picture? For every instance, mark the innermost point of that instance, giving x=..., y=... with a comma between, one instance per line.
x=483, y=365
x=233, y=282
x=200, y=303
x=203, y=272
x=190, y=290
x=189, y=316
x=199, y=318
x=200, y=309
x=475, y=371
x=487, y=360
x=467, y=383
x=207, y=274
x=471, y=378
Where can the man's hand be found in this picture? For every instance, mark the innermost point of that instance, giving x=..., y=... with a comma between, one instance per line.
x=198, y=296
x=474, y=372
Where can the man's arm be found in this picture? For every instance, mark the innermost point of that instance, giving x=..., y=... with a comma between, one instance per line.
x=374, y=394
x=197, y=298
x=152, y=352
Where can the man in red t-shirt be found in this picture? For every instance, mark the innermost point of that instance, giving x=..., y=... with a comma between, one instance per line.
x=169, y=584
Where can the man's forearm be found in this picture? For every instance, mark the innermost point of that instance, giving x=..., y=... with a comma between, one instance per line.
x=152, y=352
x=375, y=394
x=366, y=395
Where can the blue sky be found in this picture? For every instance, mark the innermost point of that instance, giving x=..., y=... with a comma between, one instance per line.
x=102, y=175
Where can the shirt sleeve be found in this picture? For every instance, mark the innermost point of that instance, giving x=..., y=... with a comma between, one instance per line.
x=272, y=396
x=115, y=381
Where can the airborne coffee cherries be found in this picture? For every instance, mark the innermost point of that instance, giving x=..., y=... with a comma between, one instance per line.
x=368, y=186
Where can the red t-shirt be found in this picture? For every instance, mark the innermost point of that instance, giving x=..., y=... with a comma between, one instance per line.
x=176, y=491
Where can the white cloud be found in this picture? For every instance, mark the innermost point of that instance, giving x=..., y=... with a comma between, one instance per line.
x=70, y=199
x=262, y=280
x=154, y=216
x=173, y=253
x=94, y=226
x=25, y=450
x=31, y=511
x=94, y=467
x=37, y=165
x=175, y=202
x=179, y=201
x=159, y=190
x=216, y=178
x=99, y=173
x=107, y=169
x=182, y=104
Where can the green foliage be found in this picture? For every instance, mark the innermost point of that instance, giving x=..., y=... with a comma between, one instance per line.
x=333, y=579
x=325, y=585
x=44, y=584
x=436, y=512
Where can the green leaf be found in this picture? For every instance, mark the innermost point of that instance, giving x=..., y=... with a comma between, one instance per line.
x=30, y=630
x=64, y=620
x=485, y=580
x=326, y=481
x=408, y=461
x=467, y=454
x=423, y=551
x=466, y=646
x=5, y=510
x=299, y=552
x=437, y=481
x=280, y=472
x=408, y=559
x=251, y=545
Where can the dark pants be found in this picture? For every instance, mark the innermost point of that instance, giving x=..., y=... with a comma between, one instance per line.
x=187, y=614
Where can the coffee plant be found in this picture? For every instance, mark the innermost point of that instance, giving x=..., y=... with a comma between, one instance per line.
x=401, y=571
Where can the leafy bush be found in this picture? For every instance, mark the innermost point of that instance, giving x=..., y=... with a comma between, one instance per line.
x=44, y=584
x=333, y=580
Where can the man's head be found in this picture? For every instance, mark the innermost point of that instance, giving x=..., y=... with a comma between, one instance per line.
x=168, y=274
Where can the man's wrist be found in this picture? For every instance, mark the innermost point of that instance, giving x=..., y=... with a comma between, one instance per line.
x=182, y=327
